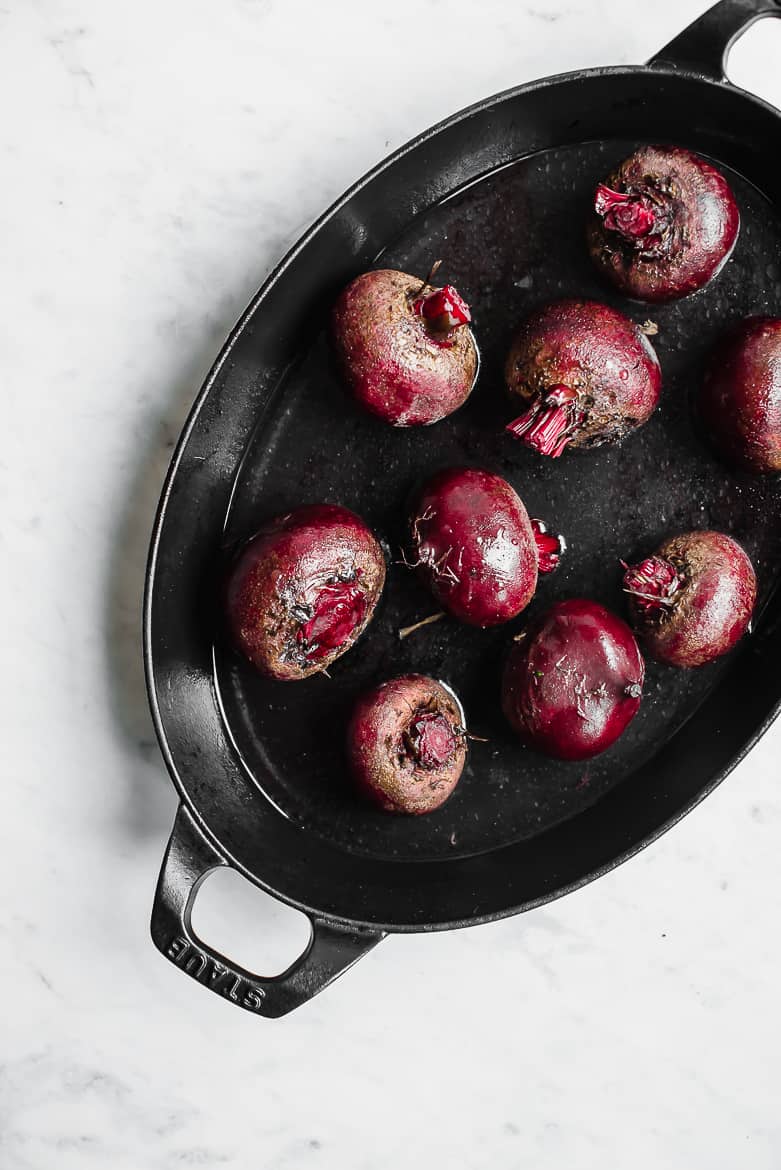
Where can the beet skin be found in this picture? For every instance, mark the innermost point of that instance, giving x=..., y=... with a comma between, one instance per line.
x=303, y=590
x=740, y=401
x=584, y=374
x=692, y=600
x=404, y=347
x=474, y=545
x=574, y=681
x=665, y=221
x=406, y=744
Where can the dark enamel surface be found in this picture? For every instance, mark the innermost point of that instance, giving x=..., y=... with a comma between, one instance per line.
x=473, y=542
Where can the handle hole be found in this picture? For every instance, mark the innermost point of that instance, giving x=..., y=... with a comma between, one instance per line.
x=753, y=60
x=248, y=926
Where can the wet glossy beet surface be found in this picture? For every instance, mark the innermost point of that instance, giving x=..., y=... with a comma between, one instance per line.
x=740, y=398
x=573, y=681
x=472, y=542
x=509, y=243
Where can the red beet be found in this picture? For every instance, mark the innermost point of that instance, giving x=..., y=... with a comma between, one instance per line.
x=740, y=402
x=475, y=546
x=406, y=744
x=404, y=347
x=692, y=599
x=574, y=681
x=585, y=374
x=304, y=589
x=664, y=223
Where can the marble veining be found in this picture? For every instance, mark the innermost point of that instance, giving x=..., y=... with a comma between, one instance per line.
x=157, y=159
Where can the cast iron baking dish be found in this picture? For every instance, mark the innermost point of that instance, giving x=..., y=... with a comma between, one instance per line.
x=499, y=193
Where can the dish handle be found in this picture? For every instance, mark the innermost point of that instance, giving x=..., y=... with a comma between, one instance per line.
x=702, y=48
x=332, y=948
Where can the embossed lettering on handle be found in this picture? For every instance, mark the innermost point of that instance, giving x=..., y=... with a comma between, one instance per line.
x=332, y=948
x=214, y=975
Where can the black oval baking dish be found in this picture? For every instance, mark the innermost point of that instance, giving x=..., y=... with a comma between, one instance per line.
x=499, y=193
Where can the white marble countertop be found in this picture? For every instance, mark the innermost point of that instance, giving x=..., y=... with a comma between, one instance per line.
x=157, y=158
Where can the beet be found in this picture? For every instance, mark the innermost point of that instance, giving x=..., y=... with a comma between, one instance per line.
x=586, y=375
x=573, y=681
x=474, y=545
x=740, y=401
x=406, y=744
x=303, y=590
x=664, y=223
x=692, y=599
x=404, y=347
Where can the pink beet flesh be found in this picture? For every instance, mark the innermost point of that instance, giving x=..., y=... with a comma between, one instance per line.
x=406, y=744
x=337, y=609
x=474, y=544
x=584, y=374
x=664, y=223
x=444, y=309
x=740, y=401
x=404, y=347
x=551, y=547
x=574, y=682
x=303, y=590
x=693, y=599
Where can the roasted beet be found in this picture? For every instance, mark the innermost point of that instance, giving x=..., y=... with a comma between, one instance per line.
x=404, y=347
x=692, y=599
x=585, y=374
x=740, y=402
x=406, y=744
x=664, y=223
x=303, y=590
x=573, y=681
x=473, y=542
